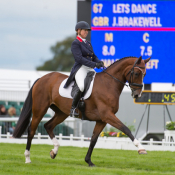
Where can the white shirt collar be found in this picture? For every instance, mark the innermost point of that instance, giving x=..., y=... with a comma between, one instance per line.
x=82, y=38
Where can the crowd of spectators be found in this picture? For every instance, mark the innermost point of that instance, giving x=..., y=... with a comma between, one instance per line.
x=11, y=109
x=11, y=112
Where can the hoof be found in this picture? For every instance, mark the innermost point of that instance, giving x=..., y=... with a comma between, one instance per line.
x=52, y=154
x=91, y=165
x=142, y=151
x=28, y=162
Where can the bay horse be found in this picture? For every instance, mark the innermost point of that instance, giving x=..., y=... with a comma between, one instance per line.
x=101, y=106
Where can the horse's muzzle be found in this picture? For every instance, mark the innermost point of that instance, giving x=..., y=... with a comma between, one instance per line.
x=136, y=96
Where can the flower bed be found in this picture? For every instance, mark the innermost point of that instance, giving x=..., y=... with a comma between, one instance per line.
x=113, y=134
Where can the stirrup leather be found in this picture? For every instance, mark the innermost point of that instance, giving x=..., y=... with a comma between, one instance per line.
x=73, y=113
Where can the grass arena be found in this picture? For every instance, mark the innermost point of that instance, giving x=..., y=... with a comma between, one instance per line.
x=111, y=53
x=70, y=160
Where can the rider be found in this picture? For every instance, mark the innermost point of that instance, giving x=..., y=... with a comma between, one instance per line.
x=85, y=61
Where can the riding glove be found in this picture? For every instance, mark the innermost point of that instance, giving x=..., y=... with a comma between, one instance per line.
x=99, y=64
x=102, y=63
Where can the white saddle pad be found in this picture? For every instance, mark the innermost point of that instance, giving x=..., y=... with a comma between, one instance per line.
x=66, y=92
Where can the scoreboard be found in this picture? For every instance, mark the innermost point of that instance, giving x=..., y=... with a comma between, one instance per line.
x=158, y=98
x=135, y=28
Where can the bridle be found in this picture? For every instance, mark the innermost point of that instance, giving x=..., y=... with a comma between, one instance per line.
x=131, y=77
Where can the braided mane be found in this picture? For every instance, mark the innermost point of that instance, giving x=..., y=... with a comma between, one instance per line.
x=120, y=60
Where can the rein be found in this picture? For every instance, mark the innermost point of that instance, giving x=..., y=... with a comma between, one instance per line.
x=114, y=77
x=130, y=78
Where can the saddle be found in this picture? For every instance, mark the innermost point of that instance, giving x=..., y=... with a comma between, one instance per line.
x=87, y=82
x=72, y=88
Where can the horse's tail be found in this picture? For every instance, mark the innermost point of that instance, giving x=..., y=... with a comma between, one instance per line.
x=25, y=116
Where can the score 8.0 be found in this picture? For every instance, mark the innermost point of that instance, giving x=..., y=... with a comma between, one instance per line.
x=108, y=51
x=169, y=98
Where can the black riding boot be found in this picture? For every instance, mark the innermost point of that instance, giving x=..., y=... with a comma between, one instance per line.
x=76, y=99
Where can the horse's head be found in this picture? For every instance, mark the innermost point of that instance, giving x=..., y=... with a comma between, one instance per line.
x=135, y=76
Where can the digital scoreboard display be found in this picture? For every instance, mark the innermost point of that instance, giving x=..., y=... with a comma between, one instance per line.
x=135, y=28
x=158, y=98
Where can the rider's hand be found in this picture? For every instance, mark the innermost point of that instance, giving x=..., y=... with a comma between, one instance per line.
x=99, y=64
x=102, y=63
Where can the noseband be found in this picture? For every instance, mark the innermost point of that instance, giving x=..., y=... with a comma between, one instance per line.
x=131, y=77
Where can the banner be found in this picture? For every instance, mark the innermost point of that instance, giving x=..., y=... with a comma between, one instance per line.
x=135, y=28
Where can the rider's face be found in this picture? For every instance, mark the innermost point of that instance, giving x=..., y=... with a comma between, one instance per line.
x=83, y=33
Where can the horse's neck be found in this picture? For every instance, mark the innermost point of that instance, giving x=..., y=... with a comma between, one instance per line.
x=117, y=70
x=109, y=84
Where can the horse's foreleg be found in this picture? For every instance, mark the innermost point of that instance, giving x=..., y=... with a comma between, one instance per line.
x=58, y=118
x=97, y=130
x=115, y=122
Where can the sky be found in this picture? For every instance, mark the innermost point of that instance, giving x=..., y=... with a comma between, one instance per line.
x=28, y=28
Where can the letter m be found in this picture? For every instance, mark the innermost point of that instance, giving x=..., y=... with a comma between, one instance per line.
x=108, y=37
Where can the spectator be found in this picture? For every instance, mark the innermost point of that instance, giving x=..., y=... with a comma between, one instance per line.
x=3, y=110
x=3, y=113
x=12, y=113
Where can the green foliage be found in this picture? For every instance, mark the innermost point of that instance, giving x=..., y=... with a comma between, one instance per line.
x=62, y=57
x=131, y=127
x=170, y=125
x=70, y=160
x=112, y=129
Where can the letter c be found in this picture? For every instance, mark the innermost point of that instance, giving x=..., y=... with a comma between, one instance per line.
x=146, y=37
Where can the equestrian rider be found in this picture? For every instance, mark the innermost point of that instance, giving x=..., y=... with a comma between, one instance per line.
x=85, y=61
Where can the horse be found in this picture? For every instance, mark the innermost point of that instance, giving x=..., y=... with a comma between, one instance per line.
x=101, y=106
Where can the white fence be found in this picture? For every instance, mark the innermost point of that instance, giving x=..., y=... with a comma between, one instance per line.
x=103, y=142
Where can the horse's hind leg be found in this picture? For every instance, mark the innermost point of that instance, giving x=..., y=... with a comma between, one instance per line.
x=36, y=118
x=58, y=118
x=97, y=130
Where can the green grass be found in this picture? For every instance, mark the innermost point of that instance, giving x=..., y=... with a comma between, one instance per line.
x=70, y=161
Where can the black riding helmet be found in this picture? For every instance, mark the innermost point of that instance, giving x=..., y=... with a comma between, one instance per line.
x=82, y=25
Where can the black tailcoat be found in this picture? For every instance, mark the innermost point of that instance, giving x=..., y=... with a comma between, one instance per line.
x=84, y=55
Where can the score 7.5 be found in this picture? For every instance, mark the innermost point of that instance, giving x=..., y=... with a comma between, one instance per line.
x=148, y=52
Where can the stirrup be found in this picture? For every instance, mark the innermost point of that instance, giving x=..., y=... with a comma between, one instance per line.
x=73, y=113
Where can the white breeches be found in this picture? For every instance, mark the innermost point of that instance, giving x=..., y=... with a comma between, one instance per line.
x=81, y=75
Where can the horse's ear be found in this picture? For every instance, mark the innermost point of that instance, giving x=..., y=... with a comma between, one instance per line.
x=139, y=60
x=147, y=60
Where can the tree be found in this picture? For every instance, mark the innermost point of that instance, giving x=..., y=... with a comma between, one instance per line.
x=63, y=59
